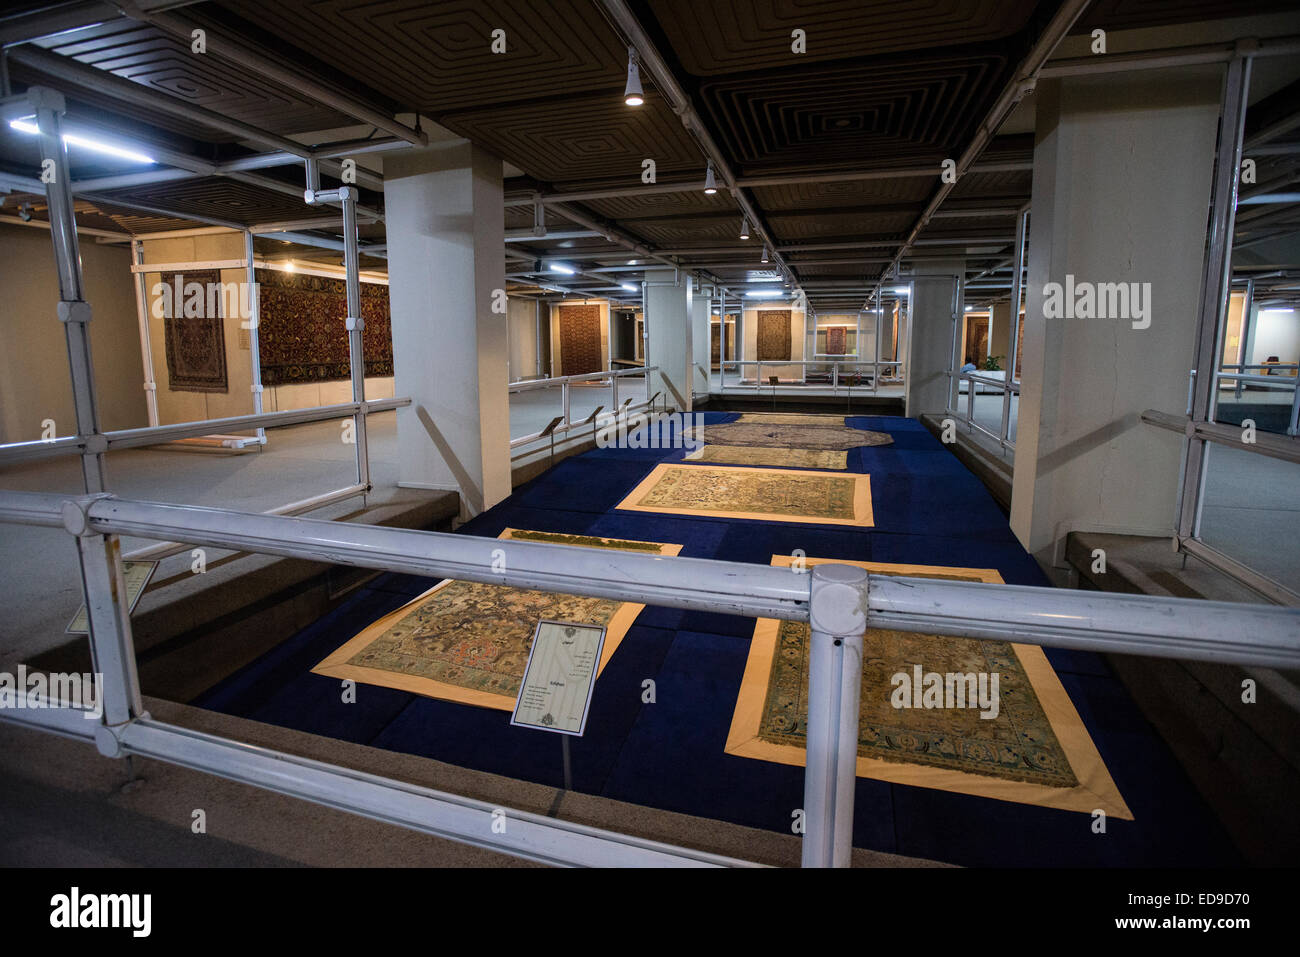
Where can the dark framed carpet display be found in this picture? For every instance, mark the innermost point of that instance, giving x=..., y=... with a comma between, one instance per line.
x=774, y=335
x=301, y=333
x=580, y=350
x=836, y=338
x=193, y=336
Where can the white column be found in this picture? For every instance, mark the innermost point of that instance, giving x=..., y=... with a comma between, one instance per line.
x=669, y=339
x=446, y=269
x=1122, y=180
x=933, y=307
x=701, y=308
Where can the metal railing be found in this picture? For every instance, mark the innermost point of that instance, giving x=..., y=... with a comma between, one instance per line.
x=596, y=421
x=995, y=386
x=839, y=602
x=1281, y=381
x=845, y=375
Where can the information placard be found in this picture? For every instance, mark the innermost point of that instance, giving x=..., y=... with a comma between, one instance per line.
x=135, y=575
x=560, y=676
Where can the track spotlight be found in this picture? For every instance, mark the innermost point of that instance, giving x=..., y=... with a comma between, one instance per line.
x=25, y=212
x=710, y=185
x=744, y=227
x=633, y=95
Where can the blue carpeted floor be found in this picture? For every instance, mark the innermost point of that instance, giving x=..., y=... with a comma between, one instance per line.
x=928, y=509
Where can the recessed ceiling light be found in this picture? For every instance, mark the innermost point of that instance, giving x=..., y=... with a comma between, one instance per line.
x=633, y=95
x=289, y=266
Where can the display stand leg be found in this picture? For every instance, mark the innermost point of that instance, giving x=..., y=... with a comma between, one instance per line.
x=568, y=762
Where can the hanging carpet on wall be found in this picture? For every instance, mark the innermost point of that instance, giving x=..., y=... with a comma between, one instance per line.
x=469, y=642
x=836, y=340
x=301, y=333
x=580, y=348
x=774, y=335
x=194, y=336
x=1032, y=748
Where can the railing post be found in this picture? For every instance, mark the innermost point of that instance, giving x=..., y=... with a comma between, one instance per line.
x=355, y=325
x=564, y=399
x=838, y=603
x=73, y=310
x=112, y=650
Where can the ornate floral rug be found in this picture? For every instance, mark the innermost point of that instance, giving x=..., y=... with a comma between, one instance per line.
x=773, y=336
x=301, y=333
x=790, y=418
x=469, y=642
x=195, y=344
x=793, y=436
x=1035, y=751
x=774, y=495
x=781, y=458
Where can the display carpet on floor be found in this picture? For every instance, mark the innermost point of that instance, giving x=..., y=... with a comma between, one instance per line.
x=668, y=751
x=469, y=641
x=783, y=435
x=1020, y=740
x=780, y=458
x=760, y=494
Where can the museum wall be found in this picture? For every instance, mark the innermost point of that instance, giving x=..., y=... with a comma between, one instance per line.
x=34, y=378
x=1276, y=334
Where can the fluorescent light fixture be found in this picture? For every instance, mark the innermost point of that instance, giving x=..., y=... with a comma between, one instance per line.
x=1274, y=312
x=969, y=308
x=744, y=227
x=71, y=139
x=557, y=267
x=628, y=286
x=900, y=290
x=766, y=294
x=710, y=184
x=633, y=95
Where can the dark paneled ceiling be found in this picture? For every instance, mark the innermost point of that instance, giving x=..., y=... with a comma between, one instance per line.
x=884, y=85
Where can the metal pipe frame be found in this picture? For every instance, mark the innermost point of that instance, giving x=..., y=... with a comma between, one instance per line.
x=156, y=435
x=1013, y=346
x=1214, y=292
x=528, y=385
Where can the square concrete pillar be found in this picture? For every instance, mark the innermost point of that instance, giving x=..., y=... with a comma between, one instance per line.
x=446, y=275
x=669, y=339
x=1122, y=181
x=934, y=305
